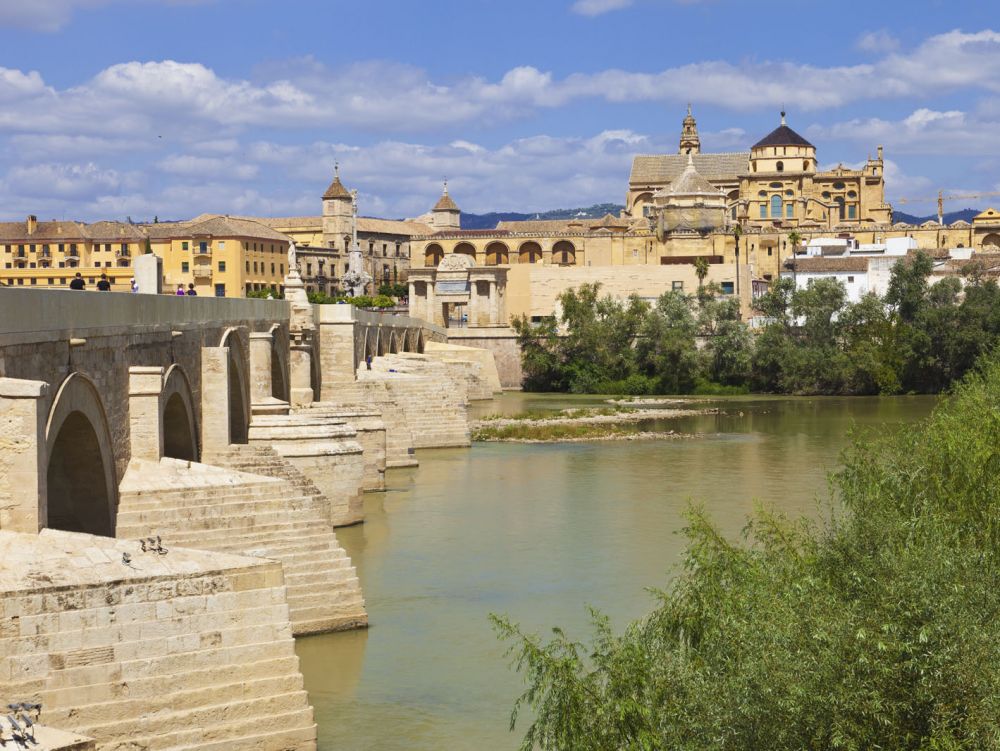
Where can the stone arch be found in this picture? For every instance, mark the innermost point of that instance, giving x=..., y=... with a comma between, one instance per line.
x=236, y=341
x=465, y=249
x=564, y=253
x=177, y=416
x=371, y=342
x=991, y=241
x=384, y=335
x=280, y=388
x=433, y=255
x=420, y=342
x=641, y=200
x=82, y=488
x=393, y=342
x=497, y=254
x=529, y=252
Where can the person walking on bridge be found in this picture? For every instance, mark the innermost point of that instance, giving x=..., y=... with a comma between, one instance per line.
x=78, y=282
x=104, y=285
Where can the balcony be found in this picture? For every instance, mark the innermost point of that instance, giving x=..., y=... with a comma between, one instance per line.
x=120, y=253
x=202, y=252
x=202, y=271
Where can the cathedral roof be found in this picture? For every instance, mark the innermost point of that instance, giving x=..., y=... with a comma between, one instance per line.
x=659, y=169
x=782, y=136
x=690, y=182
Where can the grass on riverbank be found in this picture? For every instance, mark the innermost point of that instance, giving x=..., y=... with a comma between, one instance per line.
x=532, y=415
x=551, y=432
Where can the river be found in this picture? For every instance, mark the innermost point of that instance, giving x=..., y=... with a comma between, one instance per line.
x=538, y=532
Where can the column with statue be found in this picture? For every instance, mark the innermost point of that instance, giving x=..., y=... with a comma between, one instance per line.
x=300, y=330
x=356, y=279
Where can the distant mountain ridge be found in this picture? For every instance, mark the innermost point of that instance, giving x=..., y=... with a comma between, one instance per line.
x=490, y=220
x=949, y=217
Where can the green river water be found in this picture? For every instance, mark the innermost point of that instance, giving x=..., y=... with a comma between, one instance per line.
x=538, y=532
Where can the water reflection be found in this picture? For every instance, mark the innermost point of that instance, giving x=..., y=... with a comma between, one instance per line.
x=538, y=532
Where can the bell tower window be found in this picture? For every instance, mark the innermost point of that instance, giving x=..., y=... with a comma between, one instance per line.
x=780, y=166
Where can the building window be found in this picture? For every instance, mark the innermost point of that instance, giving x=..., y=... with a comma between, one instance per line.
x=850, y=280
x=185, y=267
x=770, y=251
x=255, y=267
x=677, y=286
x=248, y=266
x=222, y=265
x=272, y=269
x=763, y=211
x=184, y=245
x=727, y=288
x=852, y=212
x=203, y=247
x=780, y=166
x=635, y=252
x=222, y=244
x=776, y=207
x=789, y=210
x=220, y=290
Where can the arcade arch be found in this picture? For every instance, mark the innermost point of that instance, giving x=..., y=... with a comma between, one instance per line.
x=465, y=249
x=497, y=254
x=564, y=253
x=433, y=255
x=529, y=252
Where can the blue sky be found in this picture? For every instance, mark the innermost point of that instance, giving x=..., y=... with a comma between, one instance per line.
x=115, y=108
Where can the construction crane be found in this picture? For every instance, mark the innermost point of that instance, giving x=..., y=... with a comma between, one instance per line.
x=941, y=198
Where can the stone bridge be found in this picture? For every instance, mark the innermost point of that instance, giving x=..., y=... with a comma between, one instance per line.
x=148, y=445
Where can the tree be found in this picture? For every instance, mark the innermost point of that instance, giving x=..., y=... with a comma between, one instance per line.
x=701, y=270
x=874, y=629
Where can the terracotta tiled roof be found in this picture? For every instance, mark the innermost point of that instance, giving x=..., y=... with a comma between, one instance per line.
x=660, y=169
x=113, y=231
x=217, y=225
x=817, y=264
x=392, y=227
x=540, y=226
x=288, y=222
x=445, y=203
x=63, y=231
x=472, y=233
x=336, y=190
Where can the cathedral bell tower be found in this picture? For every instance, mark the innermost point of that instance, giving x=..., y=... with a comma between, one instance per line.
x=690, y=142
x=337, y=214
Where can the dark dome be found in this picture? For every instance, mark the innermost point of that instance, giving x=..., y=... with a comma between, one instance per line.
x=782, y=136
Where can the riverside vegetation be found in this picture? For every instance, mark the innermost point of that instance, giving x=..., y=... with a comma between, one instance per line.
x=878, y=627
x=918, y=338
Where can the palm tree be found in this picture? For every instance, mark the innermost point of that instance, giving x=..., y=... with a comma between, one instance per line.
x=701, y=270
x=794, y=238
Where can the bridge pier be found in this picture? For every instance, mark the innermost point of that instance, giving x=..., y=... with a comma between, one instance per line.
x=23, y=461
x=215, y=435
x=145, y=386
x=262, y=400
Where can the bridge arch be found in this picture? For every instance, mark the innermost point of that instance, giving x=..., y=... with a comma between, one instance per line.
x=237, y=342
x=177, y=415
x=279, y=363
x=82, y=493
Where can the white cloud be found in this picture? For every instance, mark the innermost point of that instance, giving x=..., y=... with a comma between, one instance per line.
x=53, y=15
x=878, y=42
x=923, y=131
x=598, y=7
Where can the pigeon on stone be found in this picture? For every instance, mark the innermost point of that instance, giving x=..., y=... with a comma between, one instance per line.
x=142, y=544
x=126, y=559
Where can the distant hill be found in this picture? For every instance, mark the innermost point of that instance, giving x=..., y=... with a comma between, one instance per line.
x=949, y=217
x=490, y=220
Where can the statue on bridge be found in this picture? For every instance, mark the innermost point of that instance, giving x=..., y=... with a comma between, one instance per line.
x=356, y=279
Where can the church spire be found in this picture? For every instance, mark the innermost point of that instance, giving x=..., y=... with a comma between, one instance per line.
x=690, y=142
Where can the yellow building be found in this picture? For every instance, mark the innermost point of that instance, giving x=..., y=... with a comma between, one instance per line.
x=221, y=255
x=50, y=254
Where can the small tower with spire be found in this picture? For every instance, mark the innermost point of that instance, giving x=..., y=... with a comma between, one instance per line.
x=337, y=213
x=690, y=142
x=446, y=214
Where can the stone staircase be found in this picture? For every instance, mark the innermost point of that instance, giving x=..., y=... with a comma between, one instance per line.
x=182, y=651
x=282, y=517
x=371, y=434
